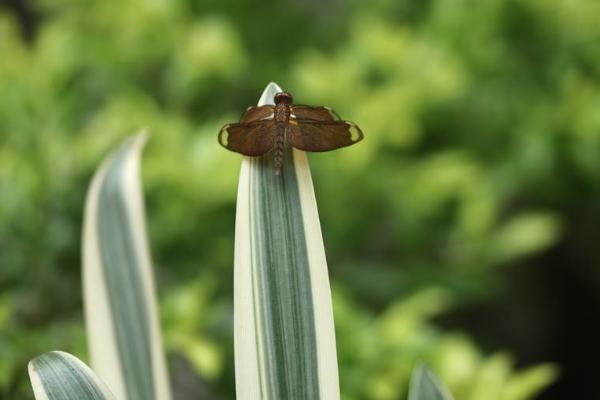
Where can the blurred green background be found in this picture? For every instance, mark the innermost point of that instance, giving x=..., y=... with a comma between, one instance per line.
x=462, y=231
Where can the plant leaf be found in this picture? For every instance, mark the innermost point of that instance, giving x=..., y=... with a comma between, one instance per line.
x=284, y=335
x=424, y=385
x=119, y=294
x=526, y=384
x=60, y=376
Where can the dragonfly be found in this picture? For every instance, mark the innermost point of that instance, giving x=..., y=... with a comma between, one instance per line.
x=264, y=129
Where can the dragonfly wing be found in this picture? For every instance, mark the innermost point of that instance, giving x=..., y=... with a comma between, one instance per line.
x=257, y=113
x=250, y=139
x=314, y=113
x=323, y=136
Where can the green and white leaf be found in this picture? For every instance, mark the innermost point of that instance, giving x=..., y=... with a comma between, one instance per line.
x=119, y=292
x=60, y=376
x=284, y=333
x=424, y=385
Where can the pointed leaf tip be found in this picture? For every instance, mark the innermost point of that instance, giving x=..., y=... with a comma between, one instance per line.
x=425, y=385
x=267, y=96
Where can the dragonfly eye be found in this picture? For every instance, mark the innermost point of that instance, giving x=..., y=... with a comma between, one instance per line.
x=283, y=97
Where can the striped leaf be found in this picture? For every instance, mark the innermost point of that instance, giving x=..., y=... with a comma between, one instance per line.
x=60, y=376
x=284, y=335
x=119, y=294
x=424, y=385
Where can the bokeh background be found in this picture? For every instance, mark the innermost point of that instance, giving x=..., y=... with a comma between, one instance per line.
x=463, y=231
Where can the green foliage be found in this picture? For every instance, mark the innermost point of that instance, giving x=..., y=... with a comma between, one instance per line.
x=481, y=128
x=386, y=347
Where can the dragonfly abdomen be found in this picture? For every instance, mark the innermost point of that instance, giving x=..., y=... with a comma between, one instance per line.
x=279, y=147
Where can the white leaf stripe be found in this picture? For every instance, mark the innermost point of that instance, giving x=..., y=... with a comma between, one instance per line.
x=60, y=376
x=119, y=288
x=280, y=352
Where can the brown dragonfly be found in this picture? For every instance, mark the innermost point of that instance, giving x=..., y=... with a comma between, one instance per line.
x=265, y=128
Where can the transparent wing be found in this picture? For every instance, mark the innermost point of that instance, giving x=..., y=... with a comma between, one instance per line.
x=250, y=139
x=314, y=113
x=257, y=113
x=323, y=136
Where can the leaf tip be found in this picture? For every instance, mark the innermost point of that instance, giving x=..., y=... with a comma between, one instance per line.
x=141, y=137
x=37, y=363
x=425, y=385
x=267, y=95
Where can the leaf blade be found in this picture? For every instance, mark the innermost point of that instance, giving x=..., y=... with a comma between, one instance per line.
x=284, y=337
x=119, y=292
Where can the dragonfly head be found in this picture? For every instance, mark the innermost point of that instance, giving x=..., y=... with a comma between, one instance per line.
x=283, y=97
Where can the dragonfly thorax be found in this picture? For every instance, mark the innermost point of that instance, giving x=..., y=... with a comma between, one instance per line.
x=282, y=113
